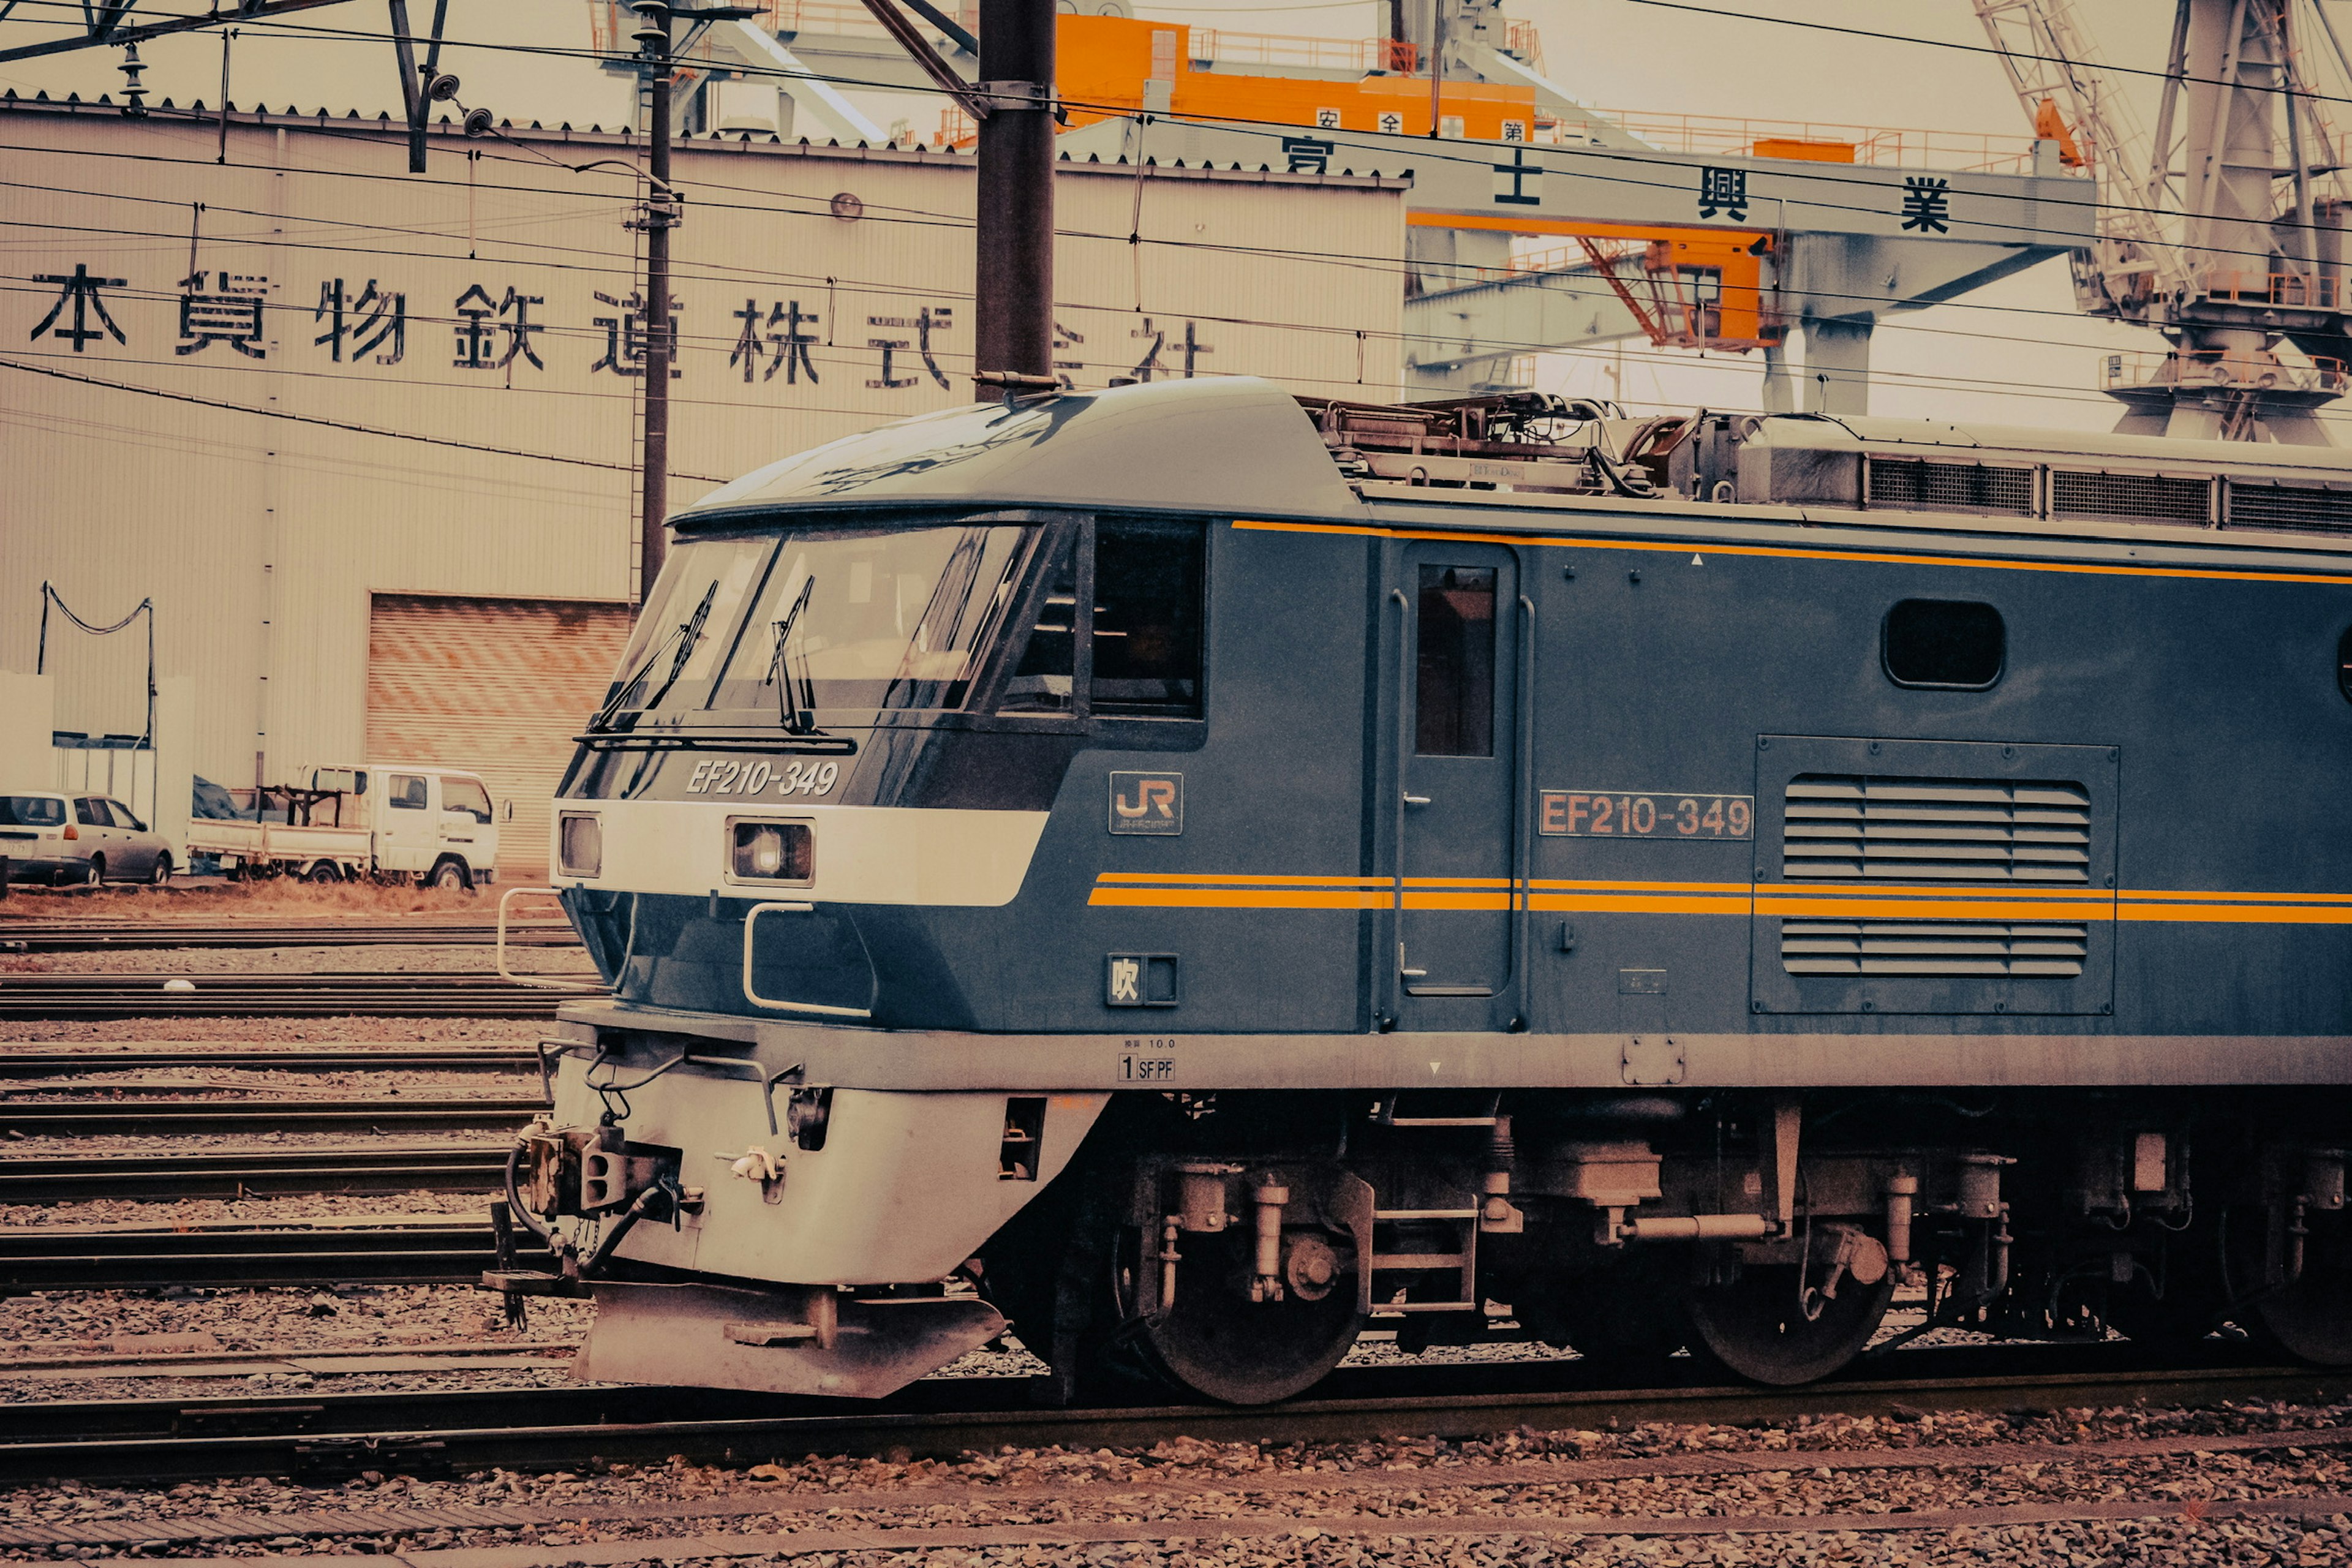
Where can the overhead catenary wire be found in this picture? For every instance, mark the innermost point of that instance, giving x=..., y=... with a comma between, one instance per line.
x=1497, y=347
x=2006, y=385
x=1420, y=147
x=345, y=424
x=1368, y=263
x=1377, y=264
x=747, y=277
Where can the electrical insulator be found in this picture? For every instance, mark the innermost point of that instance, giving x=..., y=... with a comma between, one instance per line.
x=134, y=96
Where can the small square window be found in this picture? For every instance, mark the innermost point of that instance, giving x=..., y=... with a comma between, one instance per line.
x=1953, y=644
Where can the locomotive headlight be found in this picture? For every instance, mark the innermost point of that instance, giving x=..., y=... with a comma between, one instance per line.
x=773, y=852
x=580, y=844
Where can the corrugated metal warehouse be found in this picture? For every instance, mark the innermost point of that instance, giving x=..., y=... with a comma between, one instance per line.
x=367, y=438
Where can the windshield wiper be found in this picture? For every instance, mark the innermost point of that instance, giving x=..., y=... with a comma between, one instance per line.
x=800, y=718
x=686, y=634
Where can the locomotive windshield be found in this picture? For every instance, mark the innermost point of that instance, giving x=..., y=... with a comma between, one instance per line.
x=823, y=617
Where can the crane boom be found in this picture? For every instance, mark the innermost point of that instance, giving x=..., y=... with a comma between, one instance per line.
x=2211, y=230
x=2053, y=65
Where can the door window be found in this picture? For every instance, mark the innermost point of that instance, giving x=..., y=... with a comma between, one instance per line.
x=1453, y=685
x=123, y=817
x=91, y=813
x=466, y=796
x=407, y=792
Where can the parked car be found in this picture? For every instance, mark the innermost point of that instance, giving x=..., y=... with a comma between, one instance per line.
x=89, y=839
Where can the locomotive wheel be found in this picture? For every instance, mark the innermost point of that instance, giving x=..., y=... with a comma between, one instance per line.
x=2311, y=1319
x=1216, y=1341
x=1756, y=1328
x=2193, y=1298
x=1629, y=1319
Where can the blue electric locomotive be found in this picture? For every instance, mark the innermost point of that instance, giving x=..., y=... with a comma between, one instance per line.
x=1192, y=873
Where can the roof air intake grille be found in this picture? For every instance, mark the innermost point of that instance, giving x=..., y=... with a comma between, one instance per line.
x=2296, y=509
x=1963, y=830
x=1934, y=947
x=1912, y=484
x=2146, y=498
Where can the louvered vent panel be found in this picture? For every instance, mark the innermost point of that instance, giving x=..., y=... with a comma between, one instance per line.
x=1933, y=948
x=2148, y=497
x=1964, y=830
x=1915, y=485
x=2298, y=508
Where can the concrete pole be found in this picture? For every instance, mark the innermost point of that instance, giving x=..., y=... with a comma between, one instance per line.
x=1013, y=278
x=652, y=545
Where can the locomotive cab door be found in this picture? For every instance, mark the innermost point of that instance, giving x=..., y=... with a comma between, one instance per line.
x=1457, y=760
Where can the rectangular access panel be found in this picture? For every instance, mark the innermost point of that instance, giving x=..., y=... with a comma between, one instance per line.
x=1933, y=876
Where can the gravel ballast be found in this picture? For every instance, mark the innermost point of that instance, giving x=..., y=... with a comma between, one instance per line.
x=1959, y=1488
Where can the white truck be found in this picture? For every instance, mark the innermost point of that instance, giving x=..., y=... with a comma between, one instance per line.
x=412, y=822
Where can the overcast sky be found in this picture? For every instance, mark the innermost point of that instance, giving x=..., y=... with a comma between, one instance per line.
x=2015, y=352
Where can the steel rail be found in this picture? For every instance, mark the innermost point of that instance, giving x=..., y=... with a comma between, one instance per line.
x=309, y=995
x=415, y=1113
x=112, y=936
x=319, y=1435
x=59, y=1258
x=245, y=1173
x=38, y=1062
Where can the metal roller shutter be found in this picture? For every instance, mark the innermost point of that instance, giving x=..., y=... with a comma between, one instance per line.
x=497, y=686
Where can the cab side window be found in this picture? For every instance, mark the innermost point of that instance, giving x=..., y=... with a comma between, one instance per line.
x=91, y=813
x=407, y=792
x=1148, y=620
x=467, y=796
x=1043, y=682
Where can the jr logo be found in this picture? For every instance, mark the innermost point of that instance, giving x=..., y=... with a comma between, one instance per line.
x=1147, y=803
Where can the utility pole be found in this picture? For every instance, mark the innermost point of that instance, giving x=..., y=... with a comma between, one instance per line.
x=1012, y=311
x=660, y=215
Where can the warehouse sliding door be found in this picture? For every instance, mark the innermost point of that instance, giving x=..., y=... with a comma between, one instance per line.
x=499, y=686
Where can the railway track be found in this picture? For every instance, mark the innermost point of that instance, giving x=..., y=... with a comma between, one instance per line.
x=321, y=1436
x=249, y=1173
x=127, y=936
x=425, y=1251
x=334, y=1057
x=414, y=1113
x=313, y=995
